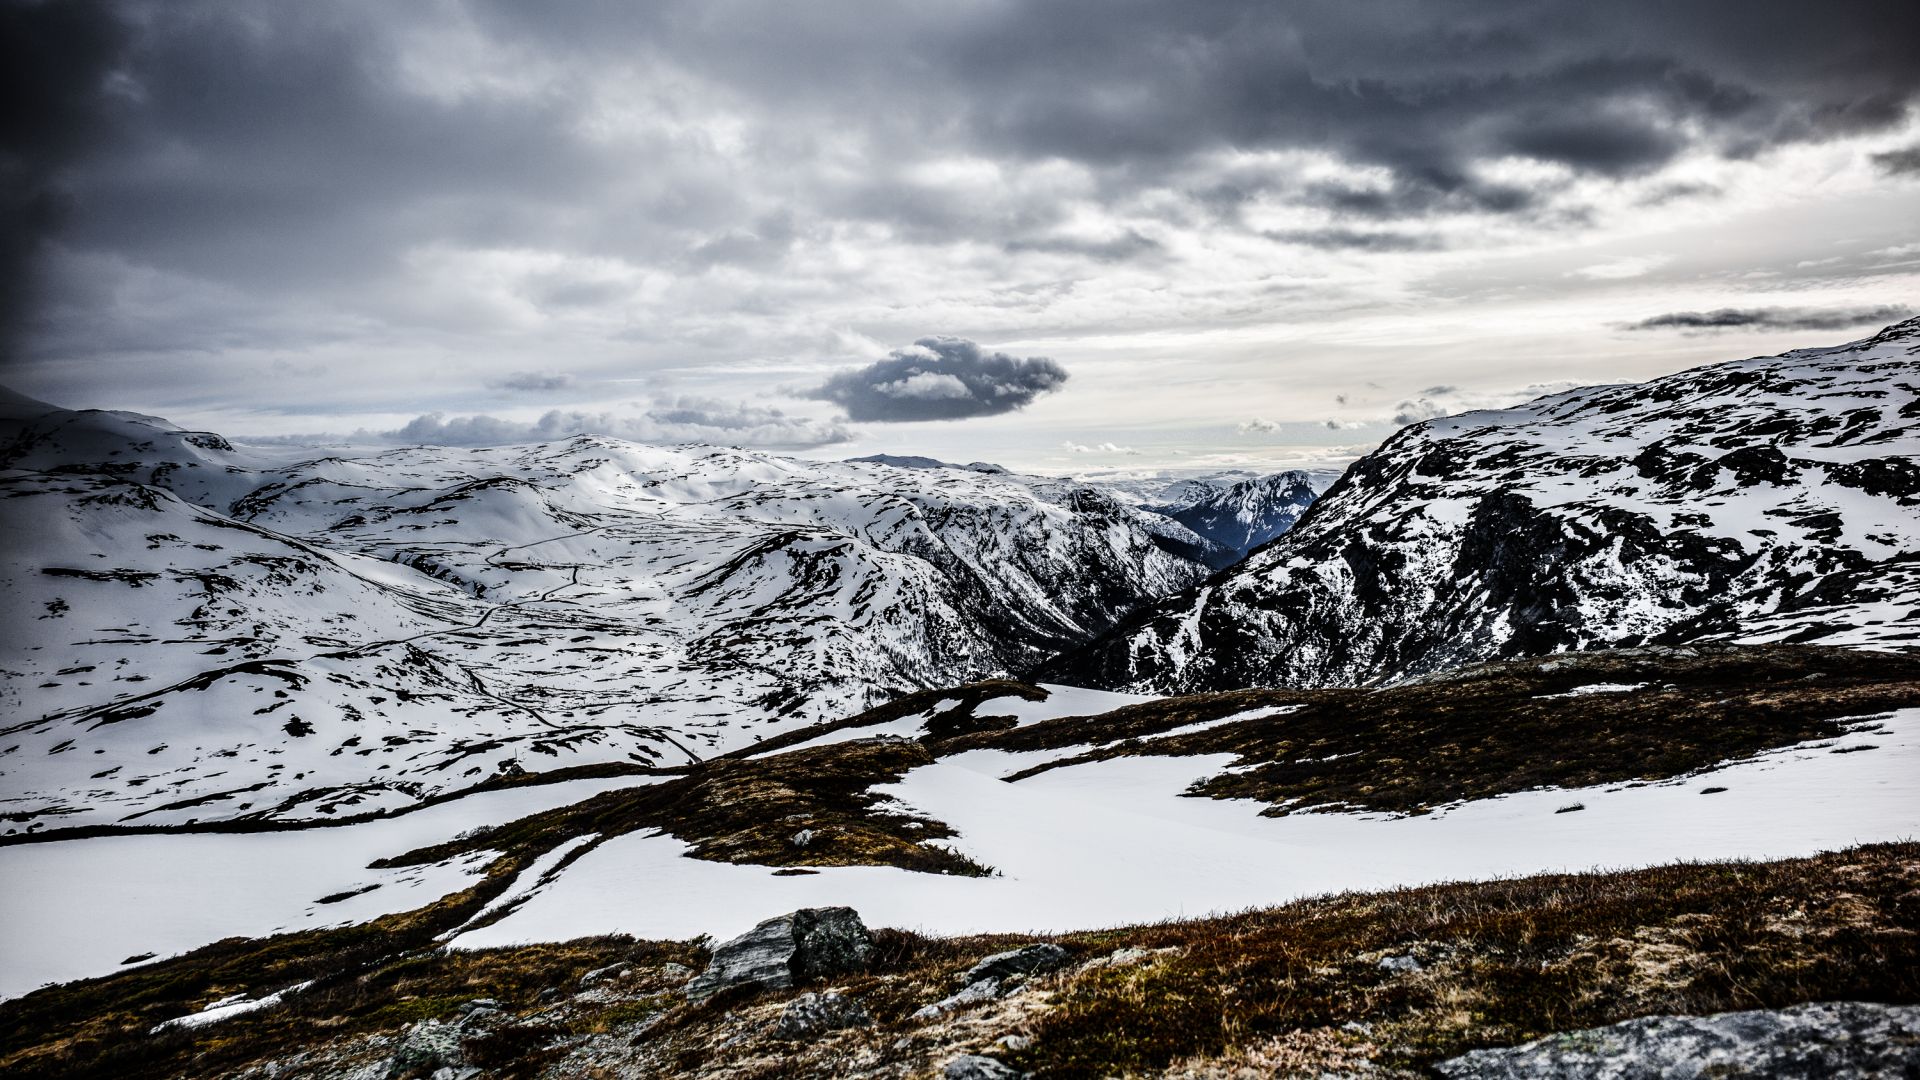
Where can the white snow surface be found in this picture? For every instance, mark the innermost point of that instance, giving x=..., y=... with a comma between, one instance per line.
x=227, y=1008
x=1594, y=688
x=1089, y=845
x=200, y=633
x=75, y=908
x=1112, y=843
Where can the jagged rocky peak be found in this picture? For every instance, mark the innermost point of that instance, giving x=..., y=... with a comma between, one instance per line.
x=1246, y=514
x=214, y=632
x=1768, y=499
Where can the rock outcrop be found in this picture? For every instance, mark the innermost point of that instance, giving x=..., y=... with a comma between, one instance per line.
x=1825, y=1040
x=786, y=951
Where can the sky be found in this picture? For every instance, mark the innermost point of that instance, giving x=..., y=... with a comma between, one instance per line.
x=1070, y=235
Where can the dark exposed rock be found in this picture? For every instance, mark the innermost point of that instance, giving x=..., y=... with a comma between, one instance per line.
x=601, y=974
x=1826, y=1040
x=978, y=1067
x=786, y=950
x=1026, y=960
x=813, y=1014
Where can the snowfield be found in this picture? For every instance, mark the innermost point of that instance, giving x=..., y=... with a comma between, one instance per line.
x=1113, y=843
x=1092, y=845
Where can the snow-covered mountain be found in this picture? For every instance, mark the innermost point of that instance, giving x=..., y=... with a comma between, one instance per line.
x=1107, y=498
x=1768, y=499
x=200, y=631
x=1244, y=515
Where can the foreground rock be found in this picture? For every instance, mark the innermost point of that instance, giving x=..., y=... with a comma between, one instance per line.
x=813, y=1014
x=1027, y=960
x=1825, y=1039
x=976, y=1067
x=787, y=950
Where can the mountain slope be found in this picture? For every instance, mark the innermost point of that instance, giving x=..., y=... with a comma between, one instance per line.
x=1769, y=499
x=205, y=632
x=1247, y=514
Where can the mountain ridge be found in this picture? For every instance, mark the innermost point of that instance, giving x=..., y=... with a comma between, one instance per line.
x=211, y=631
x=1763, y=499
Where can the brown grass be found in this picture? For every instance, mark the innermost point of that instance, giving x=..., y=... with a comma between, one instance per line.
x=1496, y=728
x=1295, y=988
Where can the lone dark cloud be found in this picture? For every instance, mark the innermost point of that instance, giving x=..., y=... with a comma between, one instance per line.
x=535, y=381
x=1128, y=245
x=680, y=420
x=1902, y=162
x=1355, y=239
x=942, y=378
x=1775, y=318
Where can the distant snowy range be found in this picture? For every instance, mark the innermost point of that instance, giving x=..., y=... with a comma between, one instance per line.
x=236, y=682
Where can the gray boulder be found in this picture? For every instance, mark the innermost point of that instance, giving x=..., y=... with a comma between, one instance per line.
x=786, y=950
x=976, y=992
x=1027, y=960
x=977, y=1067
x=1838, y=1040
x=428, y=1048
x=814, y=1014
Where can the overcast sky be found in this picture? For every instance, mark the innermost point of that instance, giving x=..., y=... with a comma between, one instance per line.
x=1065, y=234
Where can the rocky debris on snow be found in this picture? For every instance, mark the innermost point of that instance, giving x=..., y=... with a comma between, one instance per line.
x=1836, y=1040
x=812, y=1014
x=786, y=950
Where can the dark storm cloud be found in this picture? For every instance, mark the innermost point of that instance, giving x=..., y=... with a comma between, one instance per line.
x=1775, y=318
x=322, y=151
x=55, y=58
x=941, y=378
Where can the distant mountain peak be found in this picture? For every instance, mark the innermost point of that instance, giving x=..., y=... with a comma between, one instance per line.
x=1758, y=500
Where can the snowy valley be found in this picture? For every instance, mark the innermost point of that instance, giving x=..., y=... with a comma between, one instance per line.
x=464, y=708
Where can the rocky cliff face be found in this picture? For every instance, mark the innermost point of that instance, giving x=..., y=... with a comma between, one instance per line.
x=1769, y=499
x=200, y=631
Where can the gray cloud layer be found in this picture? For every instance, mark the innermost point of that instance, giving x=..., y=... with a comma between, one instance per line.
x=1775, y=318
x=202, y=179
x=693, y=420
x=941, y=378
